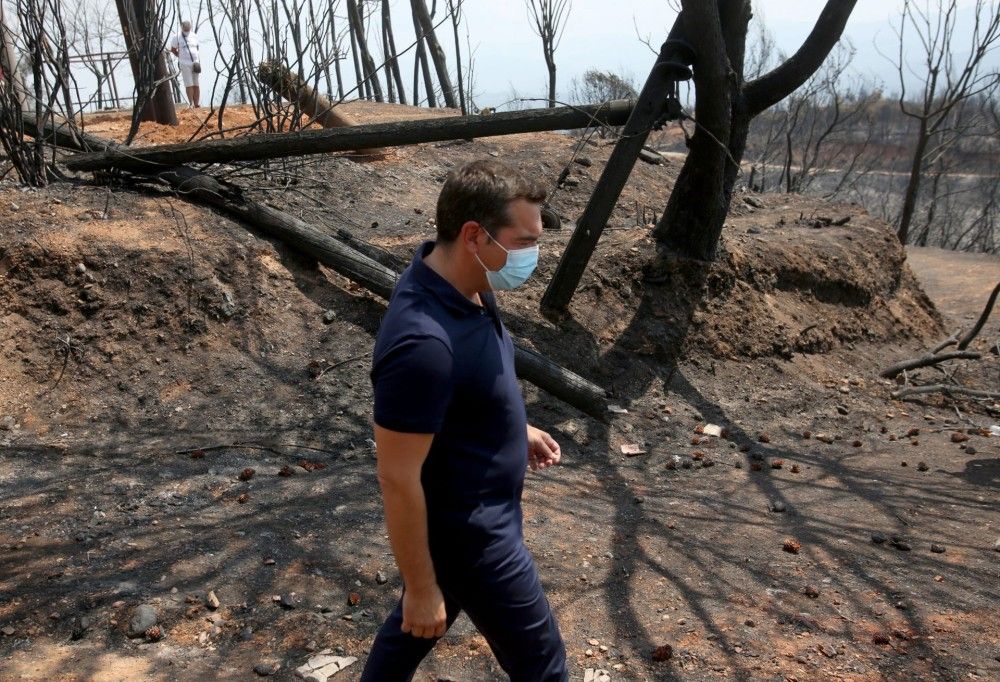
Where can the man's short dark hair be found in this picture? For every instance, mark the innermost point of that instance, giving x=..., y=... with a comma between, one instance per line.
x=482, y=191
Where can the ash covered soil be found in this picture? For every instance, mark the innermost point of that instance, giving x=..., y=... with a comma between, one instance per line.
x=185, y=410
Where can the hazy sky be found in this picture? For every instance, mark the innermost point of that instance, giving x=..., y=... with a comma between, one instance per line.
x=603, y=35
x=597, y=37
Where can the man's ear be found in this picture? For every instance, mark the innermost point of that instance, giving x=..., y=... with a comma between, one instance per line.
x=469, y=235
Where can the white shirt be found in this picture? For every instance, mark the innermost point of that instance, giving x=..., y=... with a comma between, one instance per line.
x=186, y=46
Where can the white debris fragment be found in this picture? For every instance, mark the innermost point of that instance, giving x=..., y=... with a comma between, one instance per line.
x=323, y=666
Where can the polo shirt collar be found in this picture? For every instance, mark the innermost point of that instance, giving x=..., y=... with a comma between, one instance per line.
x=444, y=291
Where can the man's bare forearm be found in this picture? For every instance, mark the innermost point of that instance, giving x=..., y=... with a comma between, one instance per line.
x=406, y=518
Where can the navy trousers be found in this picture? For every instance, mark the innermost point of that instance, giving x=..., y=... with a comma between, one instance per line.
x=505, y=602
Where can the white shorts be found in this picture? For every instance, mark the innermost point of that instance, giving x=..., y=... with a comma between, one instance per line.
x=189, y=76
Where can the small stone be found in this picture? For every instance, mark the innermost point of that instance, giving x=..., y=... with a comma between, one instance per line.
x=267, y=668
x=778, y=506
x=329, y=317
x=811, y=591
x=878, y=538
x=8, y=631
x=969, y=450
x=246, y=474
x=80, y=268
x=143, y=619
x=996, y=545
x=791, y=546
x=764, y=438
x=922, y=466
x=571, y=182
x=937, y=549
x=957, y=437
x=712, y=430
x=212, y=601
x=584, y=161
x=750, y=623
x=154, y=634
x=593, y=642
x=286, y=601
x=842, y=409
x=663, y=653
x=268, y=561
x=381, y=578
x=880, y=638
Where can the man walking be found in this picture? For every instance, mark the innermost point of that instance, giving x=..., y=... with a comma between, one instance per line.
x=184, y=46
x=453, y=440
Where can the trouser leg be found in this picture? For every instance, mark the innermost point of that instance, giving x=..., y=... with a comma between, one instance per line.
x=395, y=654
x=509, y=608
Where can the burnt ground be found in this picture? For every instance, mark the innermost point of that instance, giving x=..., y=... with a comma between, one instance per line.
x=152, y=350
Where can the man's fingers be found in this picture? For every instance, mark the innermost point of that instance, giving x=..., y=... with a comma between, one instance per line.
x=439, y=631
x=406, y=627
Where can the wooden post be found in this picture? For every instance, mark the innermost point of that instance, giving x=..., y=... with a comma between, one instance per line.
x=305, y=142
x=649, y=108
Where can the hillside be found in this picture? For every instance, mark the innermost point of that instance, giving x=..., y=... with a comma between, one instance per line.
x=151, y=350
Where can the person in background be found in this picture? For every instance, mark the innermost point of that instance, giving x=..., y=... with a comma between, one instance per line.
x=184, y=46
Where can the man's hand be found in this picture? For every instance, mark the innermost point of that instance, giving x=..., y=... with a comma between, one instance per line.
x=543, y=450
x=424, y=614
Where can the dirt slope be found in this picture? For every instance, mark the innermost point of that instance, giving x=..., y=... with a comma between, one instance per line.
x=183, y=330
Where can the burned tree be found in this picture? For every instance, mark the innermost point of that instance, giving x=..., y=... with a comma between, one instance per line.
x=141, y=22
x=356, y=20
x=548, y=21
x=948, y=80
x=725, y=106
x=425, y=33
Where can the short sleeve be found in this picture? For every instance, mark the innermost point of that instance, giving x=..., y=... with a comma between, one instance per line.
x=413, y=385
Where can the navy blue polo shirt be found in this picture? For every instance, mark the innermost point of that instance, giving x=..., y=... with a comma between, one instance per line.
x=445, y=365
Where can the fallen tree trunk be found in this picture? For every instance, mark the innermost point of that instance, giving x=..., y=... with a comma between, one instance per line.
x=302, y=143
x=276, y=76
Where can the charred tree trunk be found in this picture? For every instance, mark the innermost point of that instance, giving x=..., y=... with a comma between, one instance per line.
x=913, y=186
x=364, y=90
x=426, y=28
x=693, y=219
x=420, y=65
x=455, y=10
x=648, y=110
x=301, y=143
x=392, y=56
x=141, y=33
x=278, y=78
x=368, y=64
x=692, y=223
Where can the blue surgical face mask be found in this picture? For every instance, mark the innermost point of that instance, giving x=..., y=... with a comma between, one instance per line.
x=516, y=271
